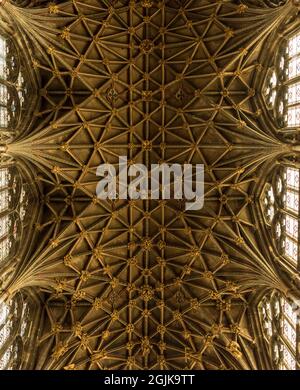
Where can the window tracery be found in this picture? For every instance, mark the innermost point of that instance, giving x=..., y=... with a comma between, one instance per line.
x=3, y=50
x=279, y=318
x=15, y=194
x=280, y=315
x=13, y=86
x=14, y=201
x=281, y=210
x=14, y=325
x=282, y=87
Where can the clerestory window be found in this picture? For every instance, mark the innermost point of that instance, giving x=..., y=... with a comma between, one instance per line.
x=14, y=327
x=281, y=210
x=15, y=206
x=282, y=89
x=13, y=88
x=279, y=319
x=14, y=200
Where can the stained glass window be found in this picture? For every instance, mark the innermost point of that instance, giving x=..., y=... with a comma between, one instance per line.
x=267, y=318
x=280, y=204
x=13, y=88
x=289, y=361
x=2, y=57
x=289, y=333
x=291, y=225
x=292, y=200
x=5, y=332
x=292, y=178
x=5, y=359
x=294, y=46
x=291, y=249
x=294, y=56
x=4, y=311
x=268, y=204
x=5, y=247
x=289, y=311
x=4, y=200
x=271, y=89
x=12, y=318
x=14, y=203
x=279, y=320
x=5, y=224
x=21, y=88
x=4, y=117
x=293, y=111
x=3, y=94
x=294, y=68
x=293, y=116
x=291, y=211
x=8, y=191
x=5, y=329
x=294, y=93
x=282, y=87
x=14, y=198
x=4, y=177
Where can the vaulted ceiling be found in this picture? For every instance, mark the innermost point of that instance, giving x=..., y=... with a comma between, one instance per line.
x=146, y=284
